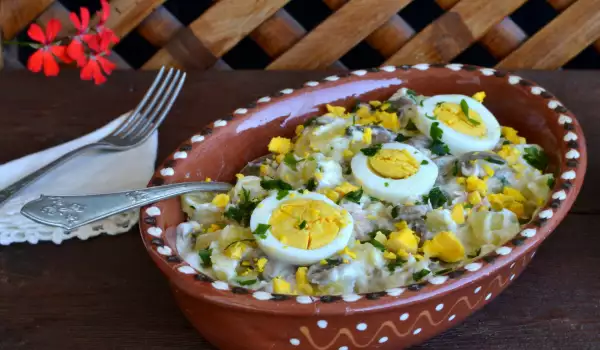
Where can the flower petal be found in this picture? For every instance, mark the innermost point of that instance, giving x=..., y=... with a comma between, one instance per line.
x=92, y=71
x=107, y=66
x=105, y=12
x=61, y=53
x=76, y=51
x=35, y=61
x=52, y=29
x=85, y=17
x=75, y=20
x=50, y=66
x=36, y=33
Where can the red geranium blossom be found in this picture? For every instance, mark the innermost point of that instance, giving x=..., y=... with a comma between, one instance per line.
x=97, y=65
x=76, y=49
x=45, y=56
x=104, y=13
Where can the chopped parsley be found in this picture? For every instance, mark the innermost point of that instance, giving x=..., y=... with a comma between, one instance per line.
x=465, y=109
x=261, y=230
x=310, y=121
x=302, y=225
x=417, y=276
x=386, y=184
x=536, y=158
x=281, y=194
x=348, y=170
x=354, y=196
x=411, y=94
x=205, y=257
x=506, y=142
x=437, y=146
x=411, y=126
x=494, y=160
x=291, y=161
x=424, y=162
x=421, y=102
x=242, y=212
x=395, y=211
x=311, y=185
x=441, y=272
x=377, y=245
x=275, y=185
x=475, y=254
x=551, y=181
x=436, y=132
x=396, y=263
x=436, y=197
x=385, y=232
x=333, y=262
x=247, y=282
x=374, y=199
x=241, y=240
x=468, y=206
x=432, y=117
x=401, y=138
x=455, y=168
x=371, y=151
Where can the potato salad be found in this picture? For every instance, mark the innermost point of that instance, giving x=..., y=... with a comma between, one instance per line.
x=363, y=199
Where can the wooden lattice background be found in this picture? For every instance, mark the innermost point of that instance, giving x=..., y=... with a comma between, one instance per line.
x=317, y=34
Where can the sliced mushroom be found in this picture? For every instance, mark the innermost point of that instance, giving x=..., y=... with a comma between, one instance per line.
x=470, y=168
x=380, y=134
x=410, y=212
x=420, y=142
x=420, y=228
x=445, y=166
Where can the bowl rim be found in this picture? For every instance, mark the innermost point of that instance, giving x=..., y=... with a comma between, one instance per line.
x=568, y=180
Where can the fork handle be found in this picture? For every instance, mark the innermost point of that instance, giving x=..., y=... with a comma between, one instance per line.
x=16, y=187
x=71, y=212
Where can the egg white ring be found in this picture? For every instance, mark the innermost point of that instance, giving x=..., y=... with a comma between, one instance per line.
x=398, y=190
x=296, y=256
x=457, y=142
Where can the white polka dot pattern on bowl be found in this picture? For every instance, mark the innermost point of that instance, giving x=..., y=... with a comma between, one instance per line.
x=361, y=326
x=153, y=211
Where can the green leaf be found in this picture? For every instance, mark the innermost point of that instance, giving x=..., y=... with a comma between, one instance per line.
x=386, y=184
x=412, y=95
x=371, y=151
x=396, y=263
x=247, y=282
x=439, y=148
x=465, y=109
x=401, y=138
x=385, y=232
x=468, y=206
x=302, y=225
x=436, y=132
x=377, y=245
x=261, y=230
x=374, y=199
x=241, y=240
x=551, y=182
x=442, y=272
x=411, y=126
x=455, y=168
x=334, y=262
x=348, y=170
x=311, y=185
x=417, y=276
x=354, y=196
x=536, y=158
x=431, y=117
x=395, y=211
x=436, y=197
x=494, y=160
x=205, y=257
x=281, y=194
x=475, y=254
x=242, y=212
x=310, y=121
x=291, y=161
x=275, y=185
x=424, y=162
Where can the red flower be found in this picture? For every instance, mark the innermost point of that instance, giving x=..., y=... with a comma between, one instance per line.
x=97, y=65
x=76, y=49
x=45, y=56
x=104, y=13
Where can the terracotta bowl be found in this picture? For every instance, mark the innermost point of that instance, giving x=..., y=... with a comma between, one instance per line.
x=237, y=318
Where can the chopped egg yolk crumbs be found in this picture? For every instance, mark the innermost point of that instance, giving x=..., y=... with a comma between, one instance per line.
x=319, y=175
x=479, y=96
x=348, y=153
x=474, y=198
x=368, y=136
x=213, y=228
x=279, y=158
x=400, y=225
x=386, y=119
x=510, y=199
x=281, y=286
x=389, y=255
x=516, y=194
x=323, y=223
x=208, y=179
x=458, y=214
x=264, y=170
x=375, y=103
x=347, y=252
x=280, y=145
x=335, y=111
x=302, y=283
x=260, y=264
x=345, y=188
x=452, y=115
x=394, y=163
x=239, y=176
x=476, y=184
x=510, y=154
x=236, y=250
x=221, y=200
x=299, y=129
x=445, y=246
x=488, y=170
x=365, y=117
x=380, y=237
x=331, y=194
x=403, y=240
x=511, y=135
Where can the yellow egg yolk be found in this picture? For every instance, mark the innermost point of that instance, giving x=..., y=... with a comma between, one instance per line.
x=452, y=115
x=394, y=163
x=307, y=223
x=445, y=246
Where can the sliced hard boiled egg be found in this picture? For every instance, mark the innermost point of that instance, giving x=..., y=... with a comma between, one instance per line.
x=396, y=173
x=301, y=228
x=476, y=130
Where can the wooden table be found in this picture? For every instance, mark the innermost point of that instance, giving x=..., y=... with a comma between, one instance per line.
x=105, y=293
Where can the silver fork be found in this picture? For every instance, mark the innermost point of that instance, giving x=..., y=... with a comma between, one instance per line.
x=141, y=123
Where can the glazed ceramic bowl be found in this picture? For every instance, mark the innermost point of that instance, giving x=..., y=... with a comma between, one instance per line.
x=236, y=318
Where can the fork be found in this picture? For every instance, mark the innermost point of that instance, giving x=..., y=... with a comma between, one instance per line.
x=134, y=130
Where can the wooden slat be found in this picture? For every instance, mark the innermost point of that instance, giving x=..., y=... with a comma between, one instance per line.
x=453, y=32
x=17, y=14
x=555, y=45
x=503, y=38
x=159, y=27
x=340, y=32
x=217, y=30
x=125, y=15
x=278, y=33
x=560, y=5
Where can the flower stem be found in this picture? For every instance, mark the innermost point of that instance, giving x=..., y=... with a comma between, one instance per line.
x=19, y=43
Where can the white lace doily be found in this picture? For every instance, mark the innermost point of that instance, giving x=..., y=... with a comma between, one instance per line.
x=89, y=173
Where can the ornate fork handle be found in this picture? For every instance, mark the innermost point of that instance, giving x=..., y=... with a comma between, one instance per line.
x=71, y=212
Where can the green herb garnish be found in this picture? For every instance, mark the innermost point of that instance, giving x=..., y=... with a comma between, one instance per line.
x=261, y=230
x=310, y=121
x=205, y=257
x=291, y=161
x=475, y=254
x=275, y=185
x=494, y=160
x=536, y=158
x=465, y=109
x=302, y=225
x=311, y=185
x=348, y=170
x=421, y=102
x=385, y=232
x=354, y=196
x=436, y=132
x=431, y=117
x=411, y=126
x=401, y=138
x=395, y=211
x=241, y=240
x=551, y=182
x=417, y=276
x=506, y=142
x=468, y=206
x=247, y=282
x=386, y=184
x=411, y=94
x=242, y=212
x=281, y=194
x=436, y=197
x=424, y=162
x=373, y=199
x=455, y=168
x=439, y=148
x=441, y=272
x=377, y=245
x=371, y=151
x=396, y=263
x=334, y=262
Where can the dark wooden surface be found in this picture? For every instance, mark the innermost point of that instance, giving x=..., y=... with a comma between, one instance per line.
x=105, y=293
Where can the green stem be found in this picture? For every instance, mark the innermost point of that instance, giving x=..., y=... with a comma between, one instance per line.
x=19, y=43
